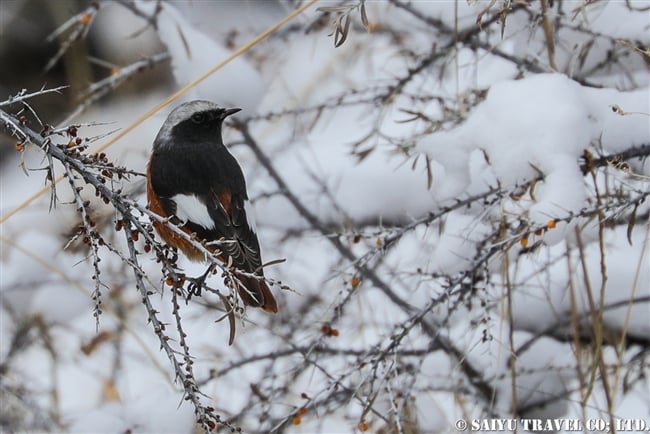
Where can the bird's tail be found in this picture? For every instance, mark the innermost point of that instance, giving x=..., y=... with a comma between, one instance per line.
x=255, y=292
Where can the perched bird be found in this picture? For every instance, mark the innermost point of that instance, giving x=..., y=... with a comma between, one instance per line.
x=194, y=180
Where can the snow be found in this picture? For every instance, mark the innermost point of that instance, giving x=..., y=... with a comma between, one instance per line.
x=537, y=126
x=526, y=135
x=193, y=52
x=626, y=279
x=619, y=19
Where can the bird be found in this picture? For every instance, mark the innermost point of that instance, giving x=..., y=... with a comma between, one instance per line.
x=194, y=181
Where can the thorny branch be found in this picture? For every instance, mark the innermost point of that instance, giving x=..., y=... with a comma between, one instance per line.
x=103, y=87
x=455, y=289
x=79, y=165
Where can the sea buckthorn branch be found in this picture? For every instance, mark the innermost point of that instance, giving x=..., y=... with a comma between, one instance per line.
x=416, y=315
x=77, y=166
x=118, y=75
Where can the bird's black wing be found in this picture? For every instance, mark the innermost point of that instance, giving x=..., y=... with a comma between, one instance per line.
x=214, y=178
x=227, y=206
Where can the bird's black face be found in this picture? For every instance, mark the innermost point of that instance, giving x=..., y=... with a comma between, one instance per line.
x=202, y=126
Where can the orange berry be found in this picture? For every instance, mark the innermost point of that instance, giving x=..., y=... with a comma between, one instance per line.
x=551, y=224
x=523, y=241
x=355, y=281
x=327, y=330
x=363, y=426
x=296, y=420
x=302, y=410
x=85, y=19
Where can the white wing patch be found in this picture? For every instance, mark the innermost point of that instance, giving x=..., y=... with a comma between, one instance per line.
x=250, y=215
x=191, y=208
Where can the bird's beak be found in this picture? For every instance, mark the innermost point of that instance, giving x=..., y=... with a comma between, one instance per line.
x=229, y=112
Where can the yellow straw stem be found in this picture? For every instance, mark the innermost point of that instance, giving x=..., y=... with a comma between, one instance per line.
x=173, y=97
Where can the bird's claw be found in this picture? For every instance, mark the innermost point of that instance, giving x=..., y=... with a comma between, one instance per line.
x=195, y=286
x=197, y=283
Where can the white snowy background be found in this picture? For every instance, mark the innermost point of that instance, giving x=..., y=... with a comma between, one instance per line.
x=480, y=301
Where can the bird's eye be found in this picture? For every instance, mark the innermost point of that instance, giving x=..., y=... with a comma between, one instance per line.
x=198, y=118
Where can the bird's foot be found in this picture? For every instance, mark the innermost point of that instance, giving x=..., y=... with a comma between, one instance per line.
x=196, y=284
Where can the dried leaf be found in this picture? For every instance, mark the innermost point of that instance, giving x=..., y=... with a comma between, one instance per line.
x=415, y=162
x=531, y=189
x=361, y=155
x=479, y=17
x=342, y=30
x=631, y=223
x=186, y=45
x=95, y=342
x=110, y=392
x=364, y=16
x=230, y=313
x=584, y=51
x=273, y=262
x=503, y=24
